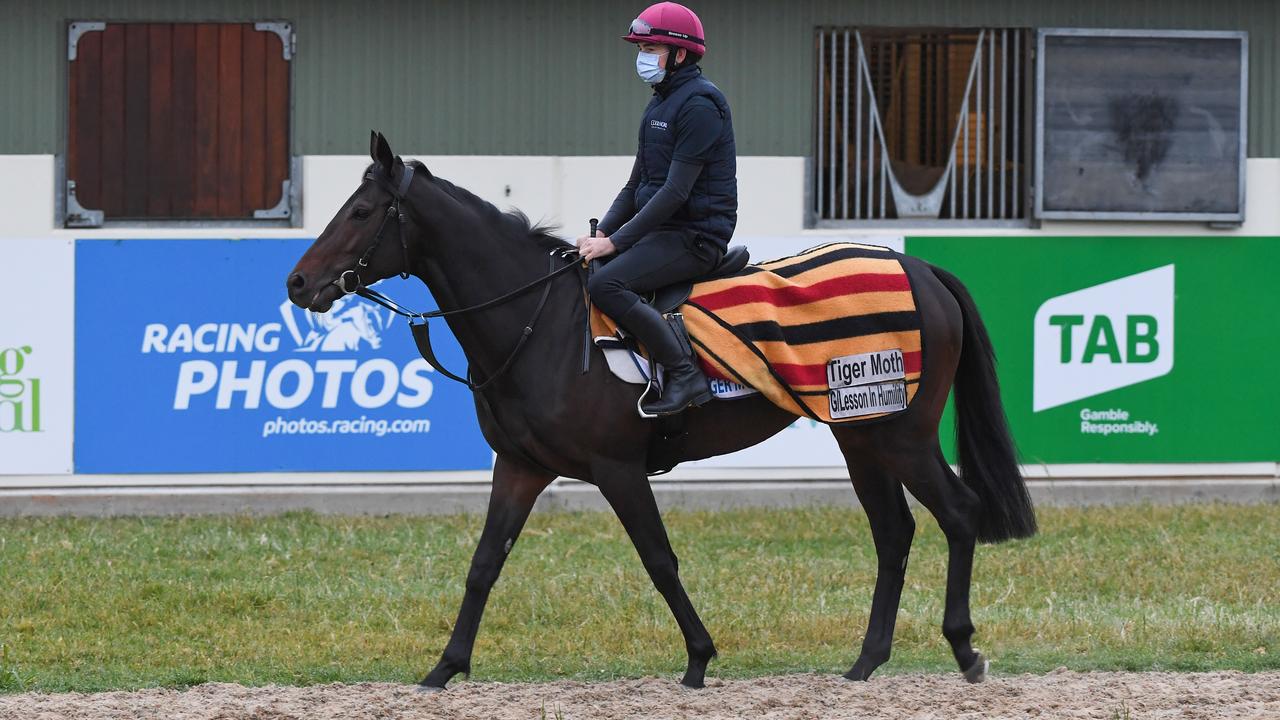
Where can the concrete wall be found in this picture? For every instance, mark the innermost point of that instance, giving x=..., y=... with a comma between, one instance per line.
x=568, y=190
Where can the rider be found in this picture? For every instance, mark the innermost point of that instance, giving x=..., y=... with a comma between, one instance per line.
x=673, y=219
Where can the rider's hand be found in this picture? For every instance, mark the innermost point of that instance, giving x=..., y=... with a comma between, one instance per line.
x=584, y=238
x=591, y=248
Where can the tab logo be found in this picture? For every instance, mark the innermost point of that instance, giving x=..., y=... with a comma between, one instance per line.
x=1104, y=337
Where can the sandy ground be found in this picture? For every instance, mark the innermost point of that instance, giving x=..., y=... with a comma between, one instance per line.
x=1061, y=694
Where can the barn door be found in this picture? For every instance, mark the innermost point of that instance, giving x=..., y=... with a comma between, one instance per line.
x=178, y=122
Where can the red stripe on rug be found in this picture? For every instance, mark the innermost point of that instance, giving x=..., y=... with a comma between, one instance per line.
x=795, y=295
x=810, y=375
x=797, y=375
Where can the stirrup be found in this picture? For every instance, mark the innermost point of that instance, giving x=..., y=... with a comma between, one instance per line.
x=640, y=403
x=653, y=382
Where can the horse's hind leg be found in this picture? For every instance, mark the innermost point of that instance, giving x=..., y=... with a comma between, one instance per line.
x=892, y=528
x=626, y=488
x=956, y=508
x=515, y=488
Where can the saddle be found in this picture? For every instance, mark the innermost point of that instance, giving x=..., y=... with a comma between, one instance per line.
x=667, y=442
x=604, y=333
x=671, y=297
x=668, y=299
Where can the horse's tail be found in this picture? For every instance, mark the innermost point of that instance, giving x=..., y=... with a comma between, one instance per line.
x=988, y=459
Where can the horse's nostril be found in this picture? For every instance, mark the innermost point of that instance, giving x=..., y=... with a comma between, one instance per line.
x=296, y=281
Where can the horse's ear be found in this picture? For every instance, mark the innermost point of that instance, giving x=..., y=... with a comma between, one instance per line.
x=383, y=156
x=373, y=146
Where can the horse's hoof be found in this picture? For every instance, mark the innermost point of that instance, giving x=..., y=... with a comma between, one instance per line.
x=977, y=672
x=429, y=689
x=861, y=670
x=692, y=684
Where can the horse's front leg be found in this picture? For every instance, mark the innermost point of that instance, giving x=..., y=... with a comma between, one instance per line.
x=515, y=488
x=627, y=489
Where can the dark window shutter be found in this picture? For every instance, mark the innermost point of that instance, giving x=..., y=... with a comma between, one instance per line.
x=183, y=121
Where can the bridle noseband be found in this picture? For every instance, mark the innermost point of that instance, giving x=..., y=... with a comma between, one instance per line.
x=421, y=331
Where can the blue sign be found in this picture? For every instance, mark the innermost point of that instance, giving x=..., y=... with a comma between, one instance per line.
x=190, y=358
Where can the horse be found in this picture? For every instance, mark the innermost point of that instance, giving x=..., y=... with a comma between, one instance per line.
x=545, y=417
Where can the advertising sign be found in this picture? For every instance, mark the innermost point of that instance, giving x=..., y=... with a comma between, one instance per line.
x=190, y=358
x=1129, y=349
x=36, y=302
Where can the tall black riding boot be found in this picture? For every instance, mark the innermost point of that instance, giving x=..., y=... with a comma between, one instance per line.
x=685, y=384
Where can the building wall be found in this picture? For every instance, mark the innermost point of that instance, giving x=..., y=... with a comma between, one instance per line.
x=543, y=78
x=566, y=191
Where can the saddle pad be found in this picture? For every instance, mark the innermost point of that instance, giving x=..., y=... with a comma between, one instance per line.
x=831, y=333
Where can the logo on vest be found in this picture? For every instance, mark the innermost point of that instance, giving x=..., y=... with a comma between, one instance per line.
x=1103, y=338
x=659, y=124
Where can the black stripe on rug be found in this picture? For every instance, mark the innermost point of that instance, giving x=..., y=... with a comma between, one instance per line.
x=835, y=329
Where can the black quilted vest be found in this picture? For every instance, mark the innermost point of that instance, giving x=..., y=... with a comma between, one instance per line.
x=712, y=207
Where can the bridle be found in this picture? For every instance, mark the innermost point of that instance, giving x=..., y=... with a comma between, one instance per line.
x=421, y=331
x=393, y=210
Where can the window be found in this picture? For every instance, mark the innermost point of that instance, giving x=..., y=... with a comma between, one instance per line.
x=178, y=122
x=1141, y=125
x=922, y=124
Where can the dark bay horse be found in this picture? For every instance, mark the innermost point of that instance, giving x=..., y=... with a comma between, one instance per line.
x=544, y=418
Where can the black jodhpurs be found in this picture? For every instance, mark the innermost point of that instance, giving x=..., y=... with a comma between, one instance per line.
x=656, y=260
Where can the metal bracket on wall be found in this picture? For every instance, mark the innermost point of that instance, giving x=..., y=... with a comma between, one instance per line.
x=282, y=210
x=77, y=215
x=285, y=31
x=76, y=30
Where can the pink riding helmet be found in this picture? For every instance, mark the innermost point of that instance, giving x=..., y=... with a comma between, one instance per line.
x=668, y=23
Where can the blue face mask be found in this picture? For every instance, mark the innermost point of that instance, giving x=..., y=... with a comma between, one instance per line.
x=648, y=69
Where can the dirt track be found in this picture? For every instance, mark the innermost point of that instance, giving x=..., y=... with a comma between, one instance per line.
x=1140, y=696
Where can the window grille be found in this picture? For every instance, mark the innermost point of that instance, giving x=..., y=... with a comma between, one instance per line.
x=922, y=124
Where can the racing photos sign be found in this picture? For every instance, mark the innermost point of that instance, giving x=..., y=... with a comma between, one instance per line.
x=205, y=366
x=291, y=383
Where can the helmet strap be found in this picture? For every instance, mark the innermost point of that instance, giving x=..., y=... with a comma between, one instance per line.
x=672, y=64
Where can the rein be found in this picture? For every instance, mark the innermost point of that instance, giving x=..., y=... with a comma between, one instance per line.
x=422, y=331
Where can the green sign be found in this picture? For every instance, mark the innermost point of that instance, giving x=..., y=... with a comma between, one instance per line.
x=1129, y=349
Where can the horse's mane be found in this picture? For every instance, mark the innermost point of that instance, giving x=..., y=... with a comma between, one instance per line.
x=514, y=223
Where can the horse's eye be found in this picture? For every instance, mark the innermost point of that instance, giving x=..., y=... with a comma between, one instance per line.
x=360, y=214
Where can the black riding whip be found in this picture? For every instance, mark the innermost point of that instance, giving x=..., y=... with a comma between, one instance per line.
x=586, y=331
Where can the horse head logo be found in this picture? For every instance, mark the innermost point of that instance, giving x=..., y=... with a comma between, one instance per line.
x=348, y=323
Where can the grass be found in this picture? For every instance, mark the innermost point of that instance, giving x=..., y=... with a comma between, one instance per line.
x=90, y=604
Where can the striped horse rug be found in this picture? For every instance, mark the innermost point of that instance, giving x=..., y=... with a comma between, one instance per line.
x=831, y=333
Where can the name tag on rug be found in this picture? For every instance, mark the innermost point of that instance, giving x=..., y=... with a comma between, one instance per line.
x=867, y=384
x=726, y=389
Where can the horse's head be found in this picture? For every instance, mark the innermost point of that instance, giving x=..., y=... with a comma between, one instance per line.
x=365, y=241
